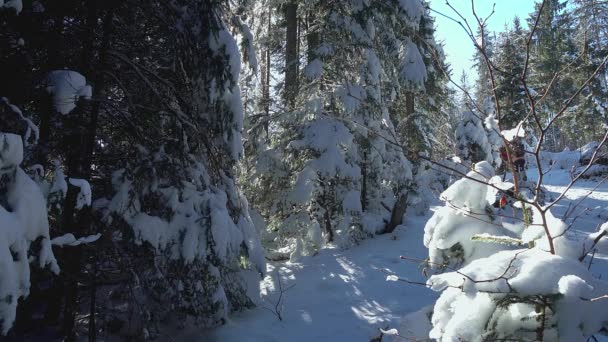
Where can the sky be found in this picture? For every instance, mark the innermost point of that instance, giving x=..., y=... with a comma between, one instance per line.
x=458, y=46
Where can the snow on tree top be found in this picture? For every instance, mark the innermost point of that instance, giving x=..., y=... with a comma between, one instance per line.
x=413, y=9
x=16, y=4
x=11, y=151
x=513, y=133
x=413, y=68
x=485, y=169
x=67, y=86
x=314, y=69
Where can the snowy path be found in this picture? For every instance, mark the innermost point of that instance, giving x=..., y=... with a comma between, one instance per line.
x=338, y=295
x=344, y=295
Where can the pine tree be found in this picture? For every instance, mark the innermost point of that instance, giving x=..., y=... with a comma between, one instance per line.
x=158, y=146
x=484, y=96
x=591, y=36
x=338, y=167
x=510, y=60
x=553, y=51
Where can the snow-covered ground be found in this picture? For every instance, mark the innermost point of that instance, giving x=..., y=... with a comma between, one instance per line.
x=344, y=296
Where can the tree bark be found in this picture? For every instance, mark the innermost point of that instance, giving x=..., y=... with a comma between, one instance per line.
x=409, y=104
x=265, y=71
x=364, y=182
x=312, y=37
x=397, y=214
x=291, y=52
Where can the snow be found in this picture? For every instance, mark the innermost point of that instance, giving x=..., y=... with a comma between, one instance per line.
x=494, y=138
x=11, y=149
x=529, y=272
x=573, y=286
x=84, y=195
x=223, y=45
x=70, y=240
x=337, y=295
x=472, y=138
x=58, y=187
x=414, y=10
x=17, y=5
x=513, y=133
x=23, y=219
x=352, y=294
x=314, y=69
x=181, y=235
x=66, y=87
x=331, y=139
x=413, y=69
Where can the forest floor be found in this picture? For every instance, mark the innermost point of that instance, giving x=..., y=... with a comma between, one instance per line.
x=343, y=295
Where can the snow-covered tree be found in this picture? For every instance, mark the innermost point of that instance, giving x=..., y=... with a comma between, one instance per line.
x=472, y=139
x=467, y=212
x=510, y=57
x=176, y=195
x=515, y=296
x=24, y=235
x=591, y=38
x=494, y=139
x=338, y=167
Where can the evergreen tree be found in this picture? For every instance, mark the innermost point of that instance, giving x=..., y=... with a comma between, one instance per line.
x=510, y=60
x=484, y=95
x=553, y=51
x=591, y=36
x=338, y=167
x=138, y=149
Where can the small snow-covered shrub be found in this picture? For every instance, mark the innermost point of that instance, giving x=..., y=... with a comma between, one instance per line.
x=542, y=292
x=449, y=233
x=523, y=295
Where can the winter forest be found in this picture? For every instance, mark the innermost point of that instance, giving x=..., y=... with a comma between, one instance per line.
x=302, y=170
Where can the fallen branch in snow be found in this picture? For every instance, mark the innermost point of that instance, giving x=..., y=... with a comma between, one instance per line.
x=278, y=307
x=393, y=277
x=598, y=298
x=503, y=275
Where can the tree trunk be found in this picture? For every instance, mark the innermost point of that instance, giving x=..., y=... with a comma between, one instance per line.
x=265, y=70
x=364, y=182
x=81, y=147
x=328, y=230
x=312, y=37
x=409, y=104
x=291, y=53
x=397, y=214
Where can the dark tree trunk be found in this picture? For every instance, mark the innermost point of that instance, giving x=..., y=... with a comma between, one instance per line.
x=265, y=71
x=291, y=52
x=397, y=213
x=409, y=104
x=312, y=37
x=364, y=182
x=328, y=229
x=81, y=147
